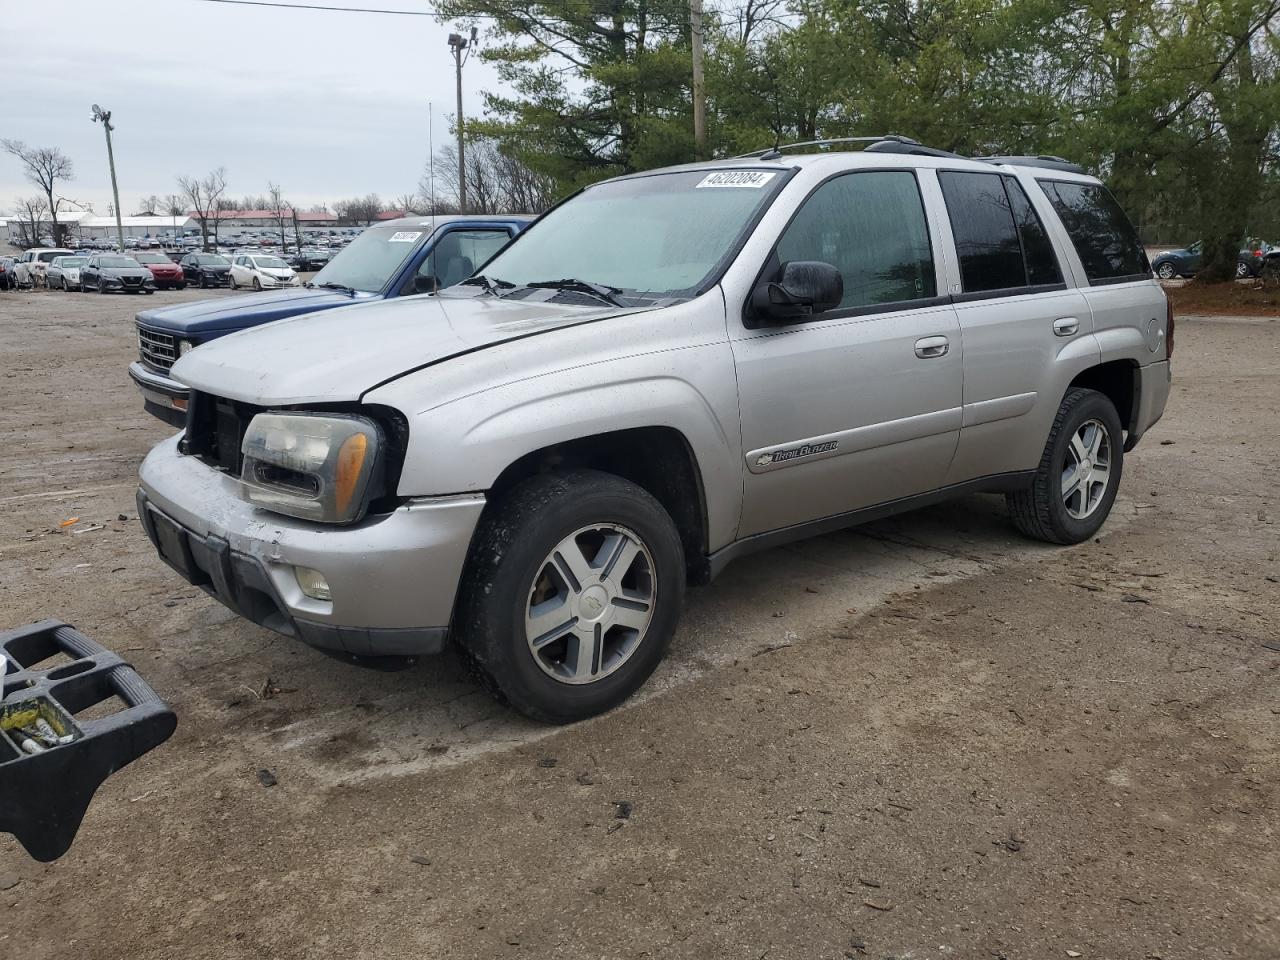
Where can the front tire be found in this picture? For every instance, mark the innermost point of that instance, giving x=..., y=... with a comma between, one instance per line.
x=1242, y=270
x=1075, y=485
x=572, y=592
x=1167, y=271
x=257, y=285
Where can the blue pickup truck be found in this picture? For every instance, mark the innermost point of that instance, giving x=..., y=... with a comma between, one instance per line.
x=394, y=259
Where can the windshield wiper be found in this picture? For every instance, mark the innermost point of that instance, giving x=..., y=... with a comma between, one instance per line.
x=491, y=285
x=600, y=291
x=331, y=285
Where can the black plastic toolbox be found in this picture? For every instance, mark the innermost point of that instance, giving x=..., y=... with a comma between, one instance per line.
x=71, y=714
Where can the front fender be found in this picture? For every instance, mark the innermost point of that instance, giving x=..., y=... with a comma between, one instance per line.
x=465, y=442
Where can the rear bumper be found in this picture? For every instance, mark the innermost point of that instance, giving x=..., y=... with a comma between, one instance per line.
x=393, y=578
x=1151, y=393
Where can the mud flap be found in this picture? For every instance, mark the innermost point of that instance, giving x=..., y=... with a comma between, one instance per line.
x=71, y=714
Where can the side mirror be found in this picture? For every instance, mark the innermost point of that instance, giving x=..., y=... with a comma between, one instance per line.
x=802, y=289
x=423, y=284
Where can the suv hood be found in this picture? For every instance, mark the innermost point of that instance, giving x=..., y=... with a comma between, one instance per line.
x=340, y=355
x=245, y=310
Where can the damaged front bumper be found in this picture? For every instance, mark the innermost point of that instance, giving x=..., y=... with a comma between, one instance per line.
x=392, y=578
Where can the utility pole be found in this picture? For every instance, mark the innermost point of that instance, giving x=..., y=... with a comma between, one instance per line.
x=699, y=90
x=105, y=116
x=459, y=43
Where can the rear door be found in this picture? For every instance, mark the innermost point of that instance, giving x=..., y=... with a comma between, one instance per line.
x=1017, y=315
x=859, y=405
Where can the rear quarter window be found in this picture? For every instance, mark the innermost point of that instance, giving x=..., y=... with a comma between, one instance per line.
x=1104, y=238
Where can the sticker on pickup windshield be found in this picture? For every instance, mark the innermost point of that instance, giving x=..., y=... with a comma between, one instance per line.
x=752, y=179
x=406, y=236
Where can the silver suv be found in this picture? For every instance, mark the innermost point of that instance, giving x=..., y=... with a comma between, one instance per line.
x=665, y=372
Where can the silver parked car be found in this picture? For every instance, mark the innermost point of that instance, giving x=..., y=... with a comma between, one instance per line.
x=64, y=273
x=666, y=372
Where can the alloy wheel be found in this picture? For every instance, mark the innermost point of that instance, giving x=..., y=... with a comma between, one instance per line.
x=1086, y=471
x=591, y=604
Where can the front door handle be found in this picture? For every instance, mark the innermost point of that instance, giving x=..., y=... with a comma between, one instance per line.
x=927, y=348
x=1065, y=326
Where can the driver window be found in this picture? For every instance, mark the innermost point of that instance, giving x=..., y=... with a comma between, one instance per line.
x=871, y=227
x=458, y=253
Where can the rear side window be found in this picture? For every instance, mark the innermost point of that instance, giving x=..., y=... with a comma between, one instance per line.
x=1001, y=242
x=871, y=227
x=1103, y=236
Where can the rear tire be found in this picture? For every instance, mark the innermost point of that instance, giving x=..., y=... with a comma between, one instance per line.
x=1079, y=473
x=625, y=562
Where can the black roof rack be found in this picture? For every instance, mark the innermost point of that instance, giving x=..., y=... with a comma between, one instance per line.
x=889, y=143
x=914, y=147
x=1051, y=163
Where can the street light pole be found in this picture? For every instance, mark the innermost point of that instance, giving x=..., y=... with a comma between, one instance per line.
x=459, y=43
x=105, y=116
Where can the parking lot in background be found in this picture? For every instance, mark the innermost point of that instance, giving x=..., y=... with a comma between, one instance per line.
x=927, y=737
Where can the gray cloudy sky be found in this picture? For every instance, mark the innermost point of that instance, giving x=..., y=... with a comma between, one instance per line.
x=329, y=105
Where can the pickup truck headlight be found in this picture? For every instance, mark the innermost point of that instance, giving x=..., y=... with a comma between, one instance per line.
x=318, y=467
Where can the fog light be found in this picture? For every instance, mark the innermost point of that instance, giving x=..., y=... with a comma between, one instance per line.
x=313, y=583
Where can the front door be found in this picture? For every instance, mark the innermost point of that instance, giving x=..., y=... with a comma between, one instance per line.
x=859, y=405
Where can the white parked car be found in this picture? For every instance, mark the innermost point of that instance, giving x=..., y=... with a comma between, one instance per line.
x=30, y=270
x=64, y=273
x=261, y=271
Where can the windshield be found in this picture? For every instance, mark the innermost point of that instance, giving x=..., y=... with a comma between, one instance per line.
x=212, y=261
x=661, y=235
x=152, y=258
x=65, y=262
x=371, y=259
x=50, y=255
x=271, y=263
x=117, y=262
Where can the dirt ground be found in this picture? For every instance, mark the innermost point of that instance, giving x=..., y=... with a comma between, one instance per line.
x=927, y=738
x=1240, y=298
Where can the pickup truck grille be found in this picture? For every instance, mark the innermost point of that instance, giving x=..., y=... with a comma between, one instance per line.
x=157, y=350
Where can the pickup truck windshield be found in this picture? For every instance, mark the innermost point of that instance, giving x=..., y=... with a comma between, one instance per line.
x=662, y=235
x=372, y=258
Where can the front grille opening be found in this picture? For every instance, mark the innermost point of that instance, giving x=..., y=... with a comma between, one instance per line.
x=215, y=430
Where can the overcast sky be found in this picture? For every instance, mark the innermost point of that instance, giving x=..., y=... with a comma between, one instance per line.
x=329, y=105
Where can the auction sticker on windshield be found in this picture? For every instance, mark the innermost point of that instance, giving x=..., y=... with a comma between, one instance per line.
x=754, y=179
x=407, y=236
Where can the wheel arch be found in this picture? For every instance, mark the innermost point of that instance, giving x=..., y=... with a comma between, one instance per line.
x=1118, y=381
x=658, y=459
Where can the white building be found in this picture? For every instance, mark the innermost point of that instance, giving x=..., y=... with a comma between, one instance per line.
x=84, y=225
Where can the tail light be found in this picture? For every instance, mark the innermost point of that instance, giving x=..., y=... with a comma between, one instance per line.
x=1168, y=332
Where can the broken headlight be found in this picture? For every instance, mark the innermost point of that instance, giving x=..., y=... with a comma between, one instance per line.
x=322, y=467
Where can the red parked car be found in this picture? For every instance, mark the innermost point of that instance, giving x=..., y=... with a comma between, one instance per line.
x=166, y=273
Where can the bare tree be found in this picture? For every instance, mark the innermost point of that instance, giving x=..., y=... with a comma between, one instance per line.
x=31, y=212
x=409, y=203
x=359, y=210
x=149, y=207
x=496, y=181
x=45, y=167
x=207, y=201
x=277, y=207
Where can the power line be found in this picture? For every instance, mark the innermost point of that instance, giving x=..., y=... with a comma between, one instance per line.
x=316, y=6
x=514, y=13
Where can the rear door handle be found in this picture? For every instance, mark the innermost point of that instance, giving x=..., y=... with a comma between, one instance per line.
x=927, y=348
x=1065, y=326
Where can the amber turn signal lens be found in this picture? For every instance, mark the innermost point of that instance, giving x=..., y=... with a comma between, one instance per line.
x=350, y=463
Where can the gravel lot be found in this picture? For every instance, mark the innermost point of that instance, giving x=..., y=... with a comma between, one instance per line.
x=925, y=738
